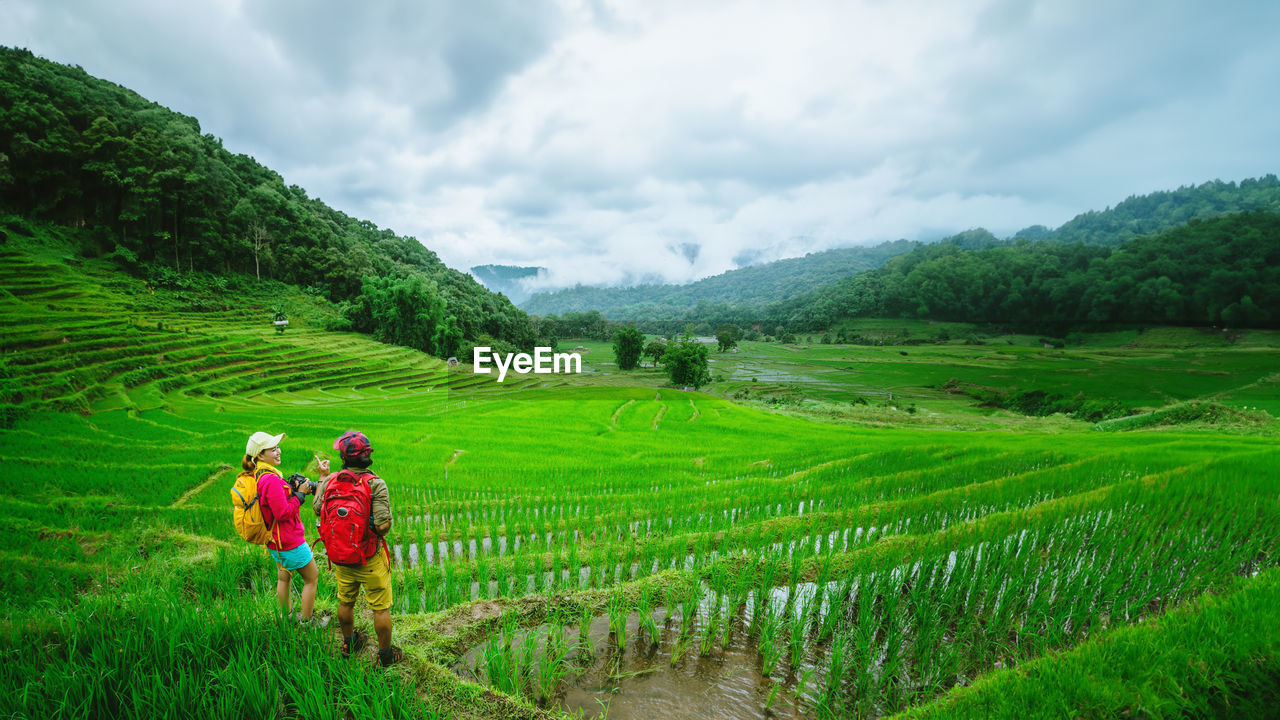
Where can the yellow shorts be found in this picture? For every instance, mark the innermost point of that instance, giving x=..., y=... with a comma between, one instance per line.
x=374, y=576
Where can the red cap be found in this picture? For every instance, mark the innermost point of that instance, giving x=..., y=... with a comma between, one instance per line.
x=353, y=444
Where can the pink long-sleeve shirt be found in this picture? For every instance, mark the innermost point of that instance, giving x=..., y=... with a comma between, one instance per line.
x=281, y=508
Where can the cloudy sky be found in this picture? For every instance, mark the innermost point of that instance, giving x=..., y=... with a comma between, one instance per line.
x=617, y=141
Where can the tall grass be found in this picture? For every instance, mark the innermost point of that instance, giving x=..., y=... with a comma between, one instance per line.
x=145, y=653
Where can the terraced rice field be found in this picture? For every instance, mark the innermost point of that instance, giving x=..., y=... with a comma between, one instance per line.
x=563, y=548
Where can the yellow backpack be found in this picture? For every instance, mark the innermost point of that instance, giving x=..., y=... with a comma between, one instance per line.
x=246, y=511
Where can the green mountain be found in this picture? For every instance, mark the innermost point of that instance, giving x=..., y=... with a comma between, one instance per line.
x=1221, y=271
x=1164, y=210
x=754, y=286
x=167, y=202
x=795, y=293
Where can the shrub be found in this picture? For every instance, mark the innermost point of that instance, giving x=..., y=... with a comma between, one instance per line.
x=1182, y=414
x=140, y=375
x=11, y=415
x=628, y=344
x=686, y=363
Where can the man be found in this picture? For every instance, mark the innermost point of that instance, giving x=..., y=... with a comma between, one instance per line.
x=354, y=510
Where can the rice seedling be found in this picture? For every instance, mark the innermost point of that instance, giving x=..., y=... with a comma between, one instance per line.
x=802, y=684
x=539, y=577
x=619, y=610
x=773, y=693
x=770, y=648
x=680, y=649
x=831, y=700
x=483, y=577
x=502, y=577
x=553, y=665
x=525, y=667
x=797, y=625
x=711, y=628
x=557, y=571
x=585, y=650
x=648, y=626
x=500, y=663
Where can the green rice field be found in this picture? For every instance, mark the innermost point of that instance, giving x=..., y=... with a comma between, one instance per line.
x=604, y=544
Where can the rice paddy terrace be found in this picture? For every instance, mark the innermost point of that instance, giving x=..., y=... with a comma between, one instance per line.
x=567, y=548
x=89, y=339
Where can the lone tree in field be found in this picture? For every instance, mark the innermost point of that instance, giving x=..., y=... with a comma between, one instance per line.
x=628, y=343
x=686, y=363
x=655, y=349
x=726, y=336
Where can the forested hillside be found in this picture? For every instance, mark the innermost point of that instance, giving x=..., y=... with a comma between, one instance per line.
x=1159, y=211
x=1208, y=272
x=746, y=288
x=794, y=292
x=169, y=202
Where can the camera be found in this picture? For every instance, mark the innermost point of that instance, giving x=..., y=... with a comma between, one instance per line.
x=297, y=481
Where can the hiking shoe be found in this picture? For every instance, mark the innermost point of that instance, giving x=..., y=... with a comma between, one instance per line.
x=358, y=640
x=390, y=656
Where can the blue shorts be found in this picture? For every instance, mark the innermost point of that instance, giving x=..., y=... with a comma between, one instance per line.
x=294, y=559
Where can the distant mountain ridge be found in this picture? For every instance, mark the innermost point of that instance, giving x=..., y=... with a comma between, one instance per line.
x=1222, y=271
x=751, y=286
x=783, y=282
x=506, y=279
x=1156, y=212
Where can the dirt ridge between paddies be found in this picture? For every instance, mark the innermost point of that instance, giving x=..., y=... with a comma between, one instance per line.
x=222, y=471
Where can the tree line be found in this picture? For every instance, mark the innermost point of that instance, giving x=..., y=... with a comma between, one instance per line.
x=807, y=293
x=751, y=287
x=1156, y=212
x=1221, y=271
x=151, y=190
x=1224, y=271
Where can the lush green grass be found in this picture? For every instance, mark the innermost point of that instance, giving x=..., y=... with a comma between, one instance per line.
x=544, y=500
x=1137, y=377
x=1143, y=371
x=147, y=649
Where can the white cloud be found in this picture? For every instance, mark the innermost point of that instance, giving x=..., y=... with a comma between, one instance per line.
x=616, y=141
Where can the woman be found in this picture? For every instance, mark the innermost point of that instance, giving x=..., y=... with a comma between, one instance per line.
x=280, y=506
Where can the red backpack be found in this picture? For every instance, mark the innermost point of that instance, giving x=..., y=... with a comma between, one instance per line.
x=344, y=519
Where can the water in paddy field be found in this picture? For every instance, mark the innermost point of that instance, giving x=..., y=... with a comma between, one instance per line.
x=439, y=551
x=641, y=681
x=412, y=554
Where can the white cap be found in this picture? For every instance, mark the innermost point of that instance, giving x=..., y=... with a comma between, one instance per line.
x=260, y=441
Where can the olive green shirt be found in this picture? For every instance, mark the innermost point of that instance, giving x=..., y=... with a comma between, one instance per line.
x=380, y=513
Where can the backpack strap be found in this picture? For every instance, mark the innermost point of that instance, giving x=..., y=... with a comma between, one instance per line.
x=380, y=540
x=245, y=505
x=258, y=472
